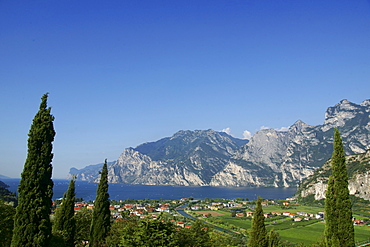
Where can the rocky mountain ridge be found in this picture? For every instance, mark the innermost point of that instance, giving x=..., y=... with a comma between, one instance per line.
x=358, y=168
x=269, y=158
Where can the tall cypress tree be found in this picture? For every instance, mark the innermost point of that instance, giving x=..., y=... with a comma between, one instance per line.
x=100, y=224
x=258, y=234
x=65, y=223
x=32, y=226
x=339, y=229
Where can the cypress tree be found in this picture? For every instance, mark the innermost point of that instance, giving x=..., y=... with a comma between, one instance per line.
x=339, y=229
x=65, y=223
x=100, y=224
x=258, y=233
x=32, y=226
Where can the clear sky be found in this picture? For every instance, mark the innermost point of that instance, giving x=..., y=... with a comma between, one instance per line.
x=124, y=72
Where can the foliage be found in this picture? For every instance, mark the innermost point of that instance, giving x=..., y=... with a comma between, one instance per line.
x=7, y=213
x=65, y=223
x=257, y=237
x=196, y=235
x=147, y=233
x=101, y=218
x=7, y=195
x=273, y=239
x=32, y=226
x=339, y=227
x=83, y=222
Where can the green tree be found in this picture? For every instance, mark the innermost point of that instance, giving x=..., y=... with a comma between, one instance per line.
x=83, y=223
x=7, y=213
x=101, y=219
x=148, y=233
x=65, y=223
x=258, y=234
x=197, y=235
x=273, y=239
x=32, y=226
x=339, y=230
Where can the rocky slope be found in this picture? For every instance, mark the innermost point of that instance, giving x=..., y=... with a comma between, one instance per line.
x=358, y=168
x=270, y=158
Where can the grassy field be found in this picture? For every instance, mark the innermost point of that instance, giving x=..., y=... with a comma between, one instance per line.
x=305, y=232
x=212, y=213
x=293, y=209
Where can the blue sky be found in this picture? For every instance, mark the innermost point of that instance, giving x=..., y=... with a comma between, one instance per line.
x=121, y=73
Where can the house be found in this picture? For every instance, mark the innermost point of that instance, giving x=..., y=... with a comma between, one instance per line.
x=266, y=215
x=297, y=219
x=319, y=216
x=163, y=209
x=239, y=215
x=150, y=210
x=264, y=204
x=286, y=213
x=286, y=203
x=229, y=205
x=276, y=213
x=249, y=214
x=196, y=207
x=181, y=224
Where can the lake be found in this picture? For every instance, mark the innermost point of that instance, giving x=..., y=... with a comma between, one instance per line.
x=87, y=191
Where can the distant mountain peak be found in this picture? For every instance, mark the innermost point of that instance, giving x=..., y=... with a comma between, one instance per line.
x=270, y=158
x=365, y=103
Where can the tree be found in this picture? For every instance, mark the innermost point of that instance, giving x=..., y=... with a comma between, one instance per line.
x=258, y=234
x=148, y=233
x=83, y=223
x=101, y=220
x=197, y=235
x=273, y=239
x=65, y=223
x=339, y=229
x=32, y=226
x=7, y=213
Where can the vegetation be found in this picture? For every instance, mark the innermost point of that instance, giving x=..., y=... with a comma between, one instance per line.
x=339, y=229
x=32, y=226
x=7, y=213
x=65, y=223
x=258, y=234
x=101, y=218
x=7, y=195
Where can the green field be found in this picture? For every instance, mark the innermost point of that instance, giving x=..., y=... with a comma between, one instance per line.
x=305, y=232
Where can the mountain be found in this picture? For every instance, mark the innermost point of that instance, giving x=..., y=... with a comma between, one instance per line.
x=270, y=158
x=87, y=173
x=6, y=195
x=274, y=158
x=186, y=158
x=3, y=177
x=358, y=169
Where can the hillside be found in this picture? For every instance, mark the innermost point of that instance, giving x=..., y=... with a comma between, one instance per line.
x=358, y=168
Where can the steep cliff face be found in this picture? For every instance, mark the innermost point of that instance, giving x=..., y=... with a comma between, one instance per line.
x=358, y=168
x=186, y=158
x=286, y=158
x=270, y=158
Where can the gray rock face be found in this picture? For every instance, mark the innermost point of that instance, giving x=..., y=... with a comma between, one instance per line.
x=358, y=168
x=186, y=158
x=270, y=158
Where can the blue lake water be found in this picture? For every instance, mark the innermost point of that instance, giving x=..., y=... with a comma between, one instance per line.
x=87, y=191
